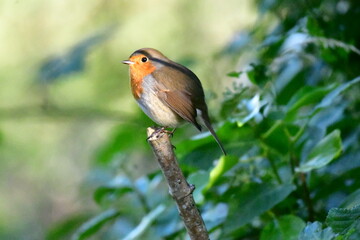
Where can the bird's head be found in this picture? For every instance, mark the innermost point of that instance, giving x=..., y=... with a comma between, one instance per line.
x=144, y=61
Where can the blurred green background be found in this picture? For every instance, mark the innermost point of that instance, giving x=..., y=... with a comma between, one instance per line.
x=54, y=117
x=281, y=79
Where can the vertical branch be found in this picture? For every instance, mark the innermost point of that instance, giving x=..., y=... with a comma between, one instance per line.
x=306, y=192
x=273, y=165
x=307, y=198
x=179, y=188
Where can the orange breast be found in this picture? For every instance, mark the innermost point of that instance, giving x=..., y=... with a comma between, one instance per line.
x=137, y=75
x=136, y=87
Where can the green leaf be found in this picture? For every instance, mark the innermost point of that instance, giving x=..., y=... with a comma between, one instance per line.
x=65, y=229
x=323, y=153
x=253, y=200
x=314, y=231
x=200, y=157
x=200, y=151
x=116, y=187
x=288, y=80
x=287, y=227
x=313, y=27
x=215, y=215
x=329, y=98
x=306, y=96
x=145, y=223
x=257, y=75
x=234, y=74
x=225, y=163
x=122, y=139
x=345, y=220
x=231, y=102
x=93, y=225
x=200, y=179
x=340, y=46
x=352, y=200
x=276, y=138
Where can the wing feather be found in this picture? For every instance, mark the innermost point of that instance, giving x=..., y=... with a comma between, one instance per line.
x=180, y=102
x=181, y=90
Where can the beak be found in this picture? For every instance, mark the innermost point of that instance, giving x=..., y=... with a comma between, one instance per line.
x=128, y=62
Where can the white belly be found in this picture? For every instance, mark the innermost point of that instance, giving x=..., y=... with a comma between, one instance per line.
x=155, y=109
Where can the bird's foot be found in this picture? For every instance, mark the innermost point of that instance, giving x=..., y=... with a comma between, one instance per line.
x=159, y=131
x=170, y=133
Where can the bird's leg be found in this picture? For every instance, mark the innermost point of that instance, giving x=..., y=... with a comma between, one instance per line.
x=171, y=133
x=160, y=130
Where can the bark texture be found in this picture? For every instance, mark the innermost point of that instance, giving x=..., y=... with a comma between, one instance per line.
x=179, y=188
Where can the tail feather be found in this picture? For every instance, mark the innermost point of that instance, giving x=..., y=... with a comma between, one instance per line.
x=207, y=123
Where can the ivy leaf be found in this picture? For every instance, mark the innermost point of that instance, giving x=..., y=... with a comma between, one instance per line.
x=345, y=221
x=329, y=98
x=65, y=229
x=287, y=227
x=234, y=74
x=225, y=163
x=313, y=27
x=352, y=200
x=116, y=187
x=215, y=215
x=93, y=225
x=306, y=96
x=323, y=153
x=277, y=137
x=253, y=200
x=145, y=223
x=314, y=231
x=257, y=75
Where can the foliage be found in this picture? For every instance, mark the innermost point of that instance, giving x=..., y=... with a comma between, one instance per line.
x=289, y=121
x=314, y=231
x=292, y=136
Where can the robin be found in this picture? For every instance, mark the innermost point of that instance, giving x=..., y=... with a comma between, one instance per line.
x=169, y=93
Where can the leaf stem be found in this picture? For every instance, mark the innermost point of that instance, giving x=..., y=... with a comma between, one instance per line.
x=273, y=166
x=294, y=162
x=307, y=197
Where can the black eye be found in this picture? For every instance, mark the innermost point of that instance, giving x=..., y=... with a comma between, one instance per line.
x=144, y=59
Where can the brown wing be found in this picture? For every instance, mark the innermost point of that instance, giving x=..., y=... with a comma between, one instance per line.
x=180, y=102
x=181, y=90
x=175, y=77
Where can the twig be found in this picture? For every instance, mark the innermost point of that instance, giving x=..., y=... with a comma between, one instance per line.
x=179, y=188
x=307, y=198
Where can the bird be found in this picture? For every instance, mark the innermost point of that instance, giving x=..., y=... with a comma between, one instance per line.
x=168, y=92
